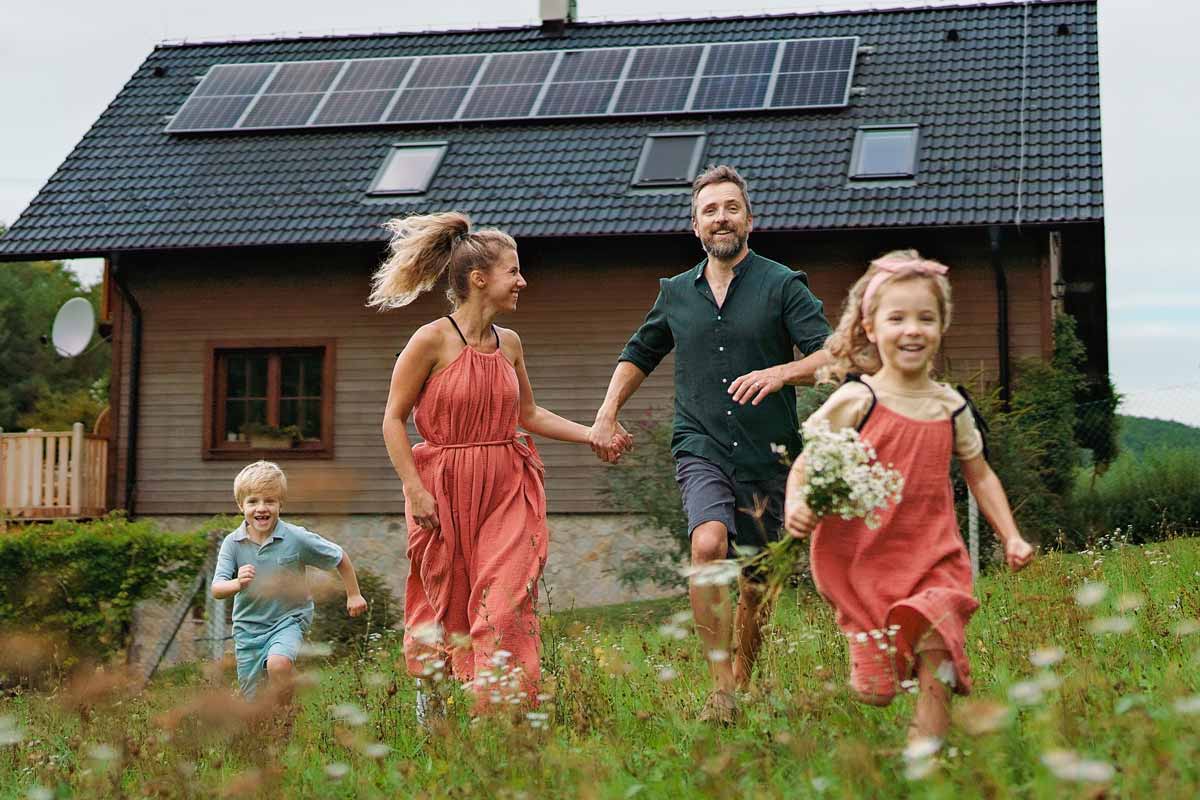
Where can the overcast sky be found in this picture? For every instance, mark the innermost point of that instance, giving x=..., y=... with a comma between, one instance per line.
x=62, y=62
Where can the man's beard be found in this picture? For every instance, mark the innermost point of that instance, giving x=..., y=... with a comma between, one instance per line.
x=723, y=248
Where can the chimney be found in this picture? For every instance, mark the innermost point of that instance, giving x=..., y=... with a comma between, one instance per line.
x=557, y=15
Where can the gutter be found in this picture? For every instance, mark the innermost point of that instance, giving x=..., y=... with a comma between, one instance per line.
x=135, y=363
x=1001, y=315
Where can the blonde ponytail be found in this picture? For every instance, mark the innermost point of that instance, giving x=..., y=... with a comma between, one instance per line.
x=423, y=247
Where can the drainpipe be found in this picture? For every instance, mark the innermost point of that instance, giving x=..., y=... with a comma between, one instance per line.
x=135, y=363
x=1001, y=315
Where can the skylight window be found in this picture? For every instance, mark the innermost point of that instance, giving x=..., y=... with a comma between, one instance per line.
x=884, y=152
x=669, y=159
x=408, y=169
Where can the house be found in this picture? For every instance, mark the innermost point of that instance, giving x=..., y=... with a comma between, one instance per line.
x=237, y=191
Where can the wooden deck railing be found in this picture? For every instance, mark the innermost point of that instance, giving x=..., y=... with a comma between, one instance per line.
x=45, y=474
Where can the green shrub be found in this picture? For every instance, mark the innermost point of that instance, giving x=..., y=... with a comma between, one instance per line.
x=1149, y=498
x=644, y=484
x=78, y=582
x=353, y=635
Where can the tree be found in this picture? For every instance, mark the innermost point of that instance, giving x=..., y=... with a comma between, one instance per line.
x=32, y=374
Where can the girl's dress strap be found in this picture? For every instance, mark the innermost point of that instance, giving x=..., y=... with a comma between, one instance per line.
x=980, y=422
x=856, y=378
x=457, y=329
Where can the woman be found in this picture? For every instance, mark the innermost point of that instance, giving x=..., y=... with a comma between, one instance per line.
x=473, y=490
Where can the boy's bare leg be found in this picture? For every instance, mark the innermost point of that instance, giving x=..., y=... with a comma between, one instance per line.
x=714, y=620
x=932, y=717
x=281, y=677
x=753, y=609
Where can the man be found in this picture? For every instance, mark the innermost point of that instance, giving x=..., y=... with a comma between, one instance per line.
x=732, y=320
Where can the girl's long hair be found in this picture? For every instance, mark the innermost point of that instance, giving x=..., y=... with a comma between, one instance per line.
x=852, y=351
x=423, y=247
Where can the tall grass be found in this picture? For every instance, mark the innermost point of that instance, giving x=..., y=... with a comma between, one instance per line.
x=627, y=682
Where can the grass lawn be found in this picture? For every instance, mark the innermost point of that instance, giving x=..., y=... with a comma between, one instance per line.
x=626, y=691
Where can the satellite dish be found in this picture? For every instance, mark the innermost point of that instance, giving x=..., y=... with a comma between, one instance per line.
x=73, y=327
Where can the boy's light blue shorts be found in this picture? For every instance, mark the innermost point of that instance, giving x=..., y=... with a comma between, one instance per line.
x=252, y=652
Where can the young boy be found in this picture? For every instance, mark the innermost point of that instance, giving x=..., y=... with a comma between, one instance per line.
x=261, y=565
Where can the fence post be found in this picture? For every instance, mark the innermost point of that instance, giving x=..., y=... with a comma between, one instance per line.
x=973, y=532
x=76, y=469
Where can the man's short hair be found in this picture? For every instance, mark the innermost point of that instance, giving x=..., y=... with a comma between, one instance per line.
x=721, y=173
x=261, y=477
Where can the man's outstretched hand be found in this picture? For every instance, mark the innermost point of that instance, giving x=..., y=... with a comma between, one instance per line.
x=755, y=386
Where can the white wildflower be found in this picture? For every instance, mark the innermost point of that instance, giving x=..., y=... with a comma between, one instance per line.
x=843, y=478
x=821, y=784
x=102, y=752
x=1046, y=656
x=315, y=650
x=946, y=674
x=718, y=655
x=924, y=747
x=376, y=750
x=667, y=674
x=10, y=732
x=1130, y=601
x=1090, y=594
x=337, y=770
x=1188, y=705
x=1187, y=627
x=1068, y=766
x=1103, y=625
x=1025, y=693
x=349, y=714
x=713, y=573
x=39, y=792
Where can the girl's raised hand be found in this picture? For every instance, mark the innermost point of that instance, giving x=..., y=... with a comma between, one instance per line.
x=798, y=518
x=1018, y=553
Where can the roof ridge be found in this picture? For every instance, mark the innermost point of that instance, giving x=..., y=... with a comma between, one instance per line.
x=599, y=23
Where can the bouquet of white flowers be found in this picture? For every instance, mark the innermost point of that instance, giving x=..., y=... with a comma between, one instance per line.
x=842, y=476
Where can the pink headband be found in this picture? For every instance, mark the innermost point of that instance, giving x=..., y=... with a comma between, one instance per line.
x=888, y=269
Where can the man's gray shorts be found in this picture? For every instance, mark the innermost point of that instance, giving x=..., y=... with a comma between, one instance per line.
x=751, y=511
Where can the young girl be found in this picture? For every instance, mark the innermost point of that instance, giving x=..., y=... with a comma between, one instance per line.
x=903, y=592
x=473, y=490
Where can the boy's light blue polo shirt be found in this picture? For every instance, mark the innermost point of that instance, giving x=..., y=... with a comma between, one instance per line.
x=279, y=589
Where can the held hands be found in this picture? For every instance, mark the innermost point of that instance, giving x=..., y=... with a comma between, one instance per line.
x=798, y=518
x=1017, y=552
x=355, y=604
x=755, y=386
x=244, y=576
x=423, y=507
x=609, y=440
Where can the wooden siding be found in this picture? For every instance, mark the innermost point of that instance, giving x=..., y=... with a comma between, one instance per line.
x=584, y=299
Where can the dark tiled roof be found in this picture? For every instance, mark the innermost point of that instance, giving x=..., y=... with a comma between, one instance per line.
x=128, y=185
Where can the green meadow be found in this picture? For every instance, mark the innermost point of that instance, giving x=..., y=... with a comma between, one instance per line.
x=1087, y=684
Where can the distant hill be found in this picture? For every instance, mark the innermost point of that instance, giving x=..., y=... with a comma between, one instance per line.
x=1140, y=434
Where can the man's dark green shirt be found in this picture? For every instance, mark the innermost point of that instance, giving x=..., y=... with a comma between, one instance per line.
x=768, y=309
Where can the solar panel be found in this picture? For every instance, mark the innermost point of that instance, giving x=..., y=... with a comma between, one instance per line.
x=231, y=80
x=280, y=111
x=492, y=102
x=577, y=99
x=814, y=73
x=518, y=68
x=673, y=79
x=419, y=105
x=312, y=76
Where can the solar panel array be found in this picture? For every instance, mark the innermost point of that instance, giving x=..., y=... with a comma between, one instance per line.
x=674, y=79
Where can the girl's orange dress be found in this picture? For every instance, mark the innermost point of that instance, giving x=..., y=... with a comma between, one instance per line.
x=475, y=578
x=913, y=572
